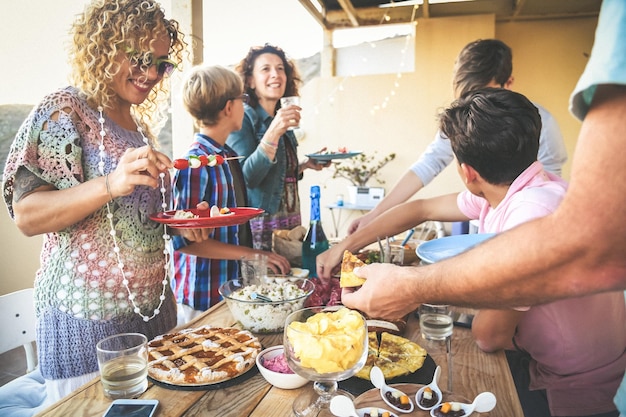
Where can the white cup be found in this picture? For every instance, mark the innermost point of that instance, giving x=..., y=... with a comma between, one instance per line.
x=290, y=101
x=123, y=364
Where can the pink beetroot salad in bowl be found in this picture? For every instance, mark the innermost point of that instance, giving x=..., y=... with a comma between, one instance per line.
x=273, y=366
x=277, y=364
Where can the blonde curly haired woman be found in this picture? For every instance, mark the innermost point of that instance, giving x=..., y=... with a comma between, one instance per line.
x=84, y=171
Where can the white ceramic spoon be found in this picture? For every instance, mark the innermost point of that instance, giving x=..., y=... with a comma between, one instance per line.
x=342, y=406
x=483, y=403
x=433, y=386
x=378, y=379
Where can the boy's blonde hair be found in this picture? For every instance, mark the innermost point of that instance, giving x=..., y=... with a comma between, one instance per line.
x=207, y=89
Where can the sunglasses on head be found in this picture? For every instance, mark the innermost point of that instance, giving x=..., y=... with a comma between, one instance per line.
x=145, y=60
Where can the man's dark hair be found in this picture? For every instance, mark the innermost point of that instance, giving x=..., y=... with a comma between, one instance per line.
x=481, y=62
x=495, y=131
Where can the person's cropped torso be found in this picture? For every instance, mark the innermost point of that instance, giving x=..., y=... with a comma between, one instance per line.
x=607, y=65
x=264, y=178
x=79, y=272
x=578, y=348
x=80, y=294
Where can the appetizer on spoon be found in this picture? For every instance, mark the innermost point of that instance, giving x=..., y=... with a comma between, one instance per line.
x=429, y=396
x=483, y=403
x=342, y=406
x=394, y=398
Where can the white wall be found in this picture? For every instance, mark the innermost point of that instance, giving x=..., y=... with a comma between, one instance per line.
x=387, y=56
x=548, y=58
x=19, y=256
x=354, y=115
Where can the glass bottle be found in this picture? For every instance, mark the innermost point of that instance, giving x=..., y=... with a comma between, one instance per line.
x=315, y=241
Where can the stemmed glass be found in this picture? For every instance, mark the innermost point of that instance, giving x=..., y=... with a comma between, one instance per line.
x=323, y=357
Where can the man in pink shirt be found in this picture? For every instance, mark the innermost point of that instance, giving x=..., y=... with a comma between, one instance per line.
x=497, y=162
x=576, y=354
x=567, y=352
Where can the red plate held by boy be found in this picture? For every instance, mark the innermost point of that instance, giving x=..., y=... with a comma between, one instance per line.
x=203, y=218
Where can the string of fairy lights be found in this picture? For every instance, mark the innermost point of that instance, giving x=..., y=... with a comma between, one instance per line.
x=382, y=104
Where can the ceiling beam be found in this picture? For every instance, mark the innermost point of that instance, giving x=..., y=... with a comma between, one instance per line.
x=551, y=16
x=350, y=14
x=321, y=20
x=347, y=7
x=370, y=16
x=517, y=8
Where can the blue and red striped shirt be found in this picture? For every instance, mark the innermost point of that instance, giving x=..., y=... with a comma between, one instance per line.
x=196, y=280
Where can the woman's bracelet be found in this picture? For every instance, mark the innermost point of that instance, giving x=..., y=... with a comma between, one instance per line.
x=106, y=182
x=271, y=145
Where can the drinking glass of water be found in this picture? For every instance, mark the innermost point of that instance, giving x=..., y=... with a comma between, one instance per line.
x=123, y=363
x=436, y=325
x=435, y=321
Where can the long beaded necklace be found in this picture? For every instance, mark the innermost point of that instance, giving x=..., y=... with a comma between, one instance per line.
x=113, y=233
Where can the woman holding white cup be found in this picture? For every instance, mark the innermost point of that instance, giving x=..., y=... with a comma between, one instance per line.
x=287, y=103
x=271, y=168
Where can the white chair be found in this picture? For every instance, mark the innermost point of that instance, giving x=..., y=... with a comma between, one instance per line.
x=429, y=230
x=17, y=324
x=25, y=395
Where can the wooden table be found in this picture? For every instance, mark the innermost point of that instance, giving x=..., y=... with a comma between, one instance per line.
x=474, y=372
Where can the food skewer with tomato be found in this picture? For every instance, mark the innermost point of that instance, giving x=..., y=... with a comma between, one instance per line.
x=201, y=161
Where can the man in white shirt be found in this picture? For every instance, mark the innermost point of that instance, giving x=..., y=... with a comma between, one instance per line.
x=482, y=63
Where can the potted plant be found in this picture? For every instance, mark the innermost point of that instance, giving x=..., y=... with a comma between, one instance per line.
x=359, y=171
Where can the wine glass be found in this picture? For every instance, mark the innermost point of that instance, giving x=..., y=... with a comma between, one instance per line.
x=323, y=353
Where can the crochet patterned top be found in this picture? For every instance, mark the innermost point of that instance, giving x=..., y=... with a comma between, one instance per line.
x=79, y=295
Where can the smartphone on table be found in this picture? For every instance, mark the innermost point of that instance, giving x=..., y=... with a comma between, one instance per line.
x=462, y=319
x=132, y=408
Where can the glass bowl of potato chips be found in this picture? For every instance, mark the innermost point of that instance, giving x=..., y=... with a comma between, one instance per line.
x=324, y=345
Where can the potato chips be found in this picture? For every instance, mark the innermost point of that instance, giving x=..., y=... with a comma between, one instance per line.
x=329, y=342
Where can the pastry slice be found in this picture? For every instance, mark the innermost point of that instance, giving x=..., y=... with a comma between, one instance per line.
x=348, y=278
x=391, y=369
x=372, y=355
x=401, y=352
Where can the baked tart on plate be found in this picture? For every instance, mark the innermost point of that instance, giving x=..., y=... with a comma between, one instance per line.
x=202, y=356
